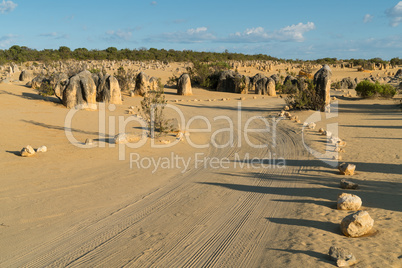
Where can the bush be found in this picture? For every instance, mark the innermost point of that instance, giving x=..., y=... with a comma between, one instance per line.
x=367, y=89
x=125, y=78
x=207, y=74
x=46, y=89
x=288, y=87
x=152, y=110
x=305, y=97
x=172, y=81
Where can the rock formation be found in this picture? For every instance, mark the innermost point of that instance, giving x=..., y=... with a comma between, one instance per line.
x=80, y=90
x=184, y=85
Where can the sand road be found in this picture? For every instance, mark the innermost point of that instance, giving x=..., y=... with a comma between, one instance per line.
x=205, y=217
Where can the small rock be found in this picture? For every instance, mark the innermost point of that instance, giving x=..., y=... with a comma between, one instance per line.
x=27, y=151
x=298, y=121
x=42, y=149
x=347, y=169
x=348, y=184
x=164, y=141
x=242, y=98
x=327, y=133
x=89, y=142
x=121, y=138
x=341, y=143
x=286, y=108
x=342, y=257
x=349, y=202
x=337, y=157
x=287, y=114
x=357, y=224
x=321, y=130
x=282, y=113
x=255, y=97
x=311, y=125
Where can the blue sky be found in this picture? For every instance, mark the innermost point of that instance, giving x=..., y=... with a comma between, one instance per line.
x=290, y=29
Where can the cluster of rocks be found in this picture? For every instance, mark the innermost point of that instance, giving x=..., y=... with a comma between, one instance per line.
x=143, y=84
x=29, y=151
x=230, y=81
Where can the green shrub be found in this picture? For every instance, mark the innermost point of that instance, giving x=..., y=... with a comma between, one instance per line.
x=46, y=89
x=125, y=78
x=367, y=89
x=207, y=74
x=287, y=88
x=305, y=97
x=152, y=110
x=172, y=81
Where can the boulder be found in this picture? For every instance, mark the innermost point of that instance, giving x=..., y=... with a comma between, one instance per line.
x=349, y=202
x=322, y=81
x=271, y=87
x=25, y=76
x=357, y=224
x=153, y=84
x=261, y=86
x=27, y=151
x=276, y=78
x=226, y=81
x=342, y=257
x=254, y=80
x=37, y=81
x=347, y=169
x=80, y=90
x=108, y=89
x=240, y=84
x=230, y=81
x=59, y=81
x=291, y=79
x=348, y=83
x=247, y=84
x=184, y=85
x=348, y=184
x=141, y=84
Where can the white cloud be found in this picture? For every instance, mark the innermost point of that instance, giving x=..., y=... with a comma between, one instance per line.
x=7, y=6
x=395, y=14
x=55, y=35
x=197, y=30
x=154, y=3
x=367, y=18
x=293, y=32
x=194, y=35
x=7, y=40
x=119, y=35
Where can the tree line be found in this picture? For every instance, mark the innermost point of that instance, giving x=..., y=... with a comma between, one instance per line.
x=20, y=54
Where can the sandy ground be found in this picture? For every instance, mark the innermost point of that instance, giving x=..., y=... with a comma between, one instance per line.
x=84, y=207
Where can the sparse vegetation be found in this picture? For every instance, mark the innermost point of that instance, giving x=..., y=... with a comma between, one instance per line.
x=207, y=74
x=305, y=96
x=46, y=89
x=152, y=110
x=367, y=89
x=125, y=78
